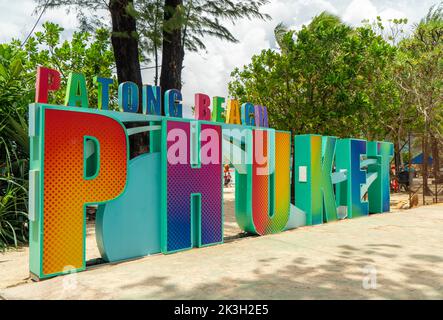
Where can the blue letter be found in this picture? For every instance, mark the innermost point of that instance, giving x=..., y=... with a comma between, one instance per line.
x=128, y=97
x=173, y=107
x=103, y=92
x=151, y=100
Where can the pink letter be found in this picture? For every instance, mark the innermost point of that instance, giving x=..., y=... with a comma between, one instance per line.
x=202, y=103
x=47, y=80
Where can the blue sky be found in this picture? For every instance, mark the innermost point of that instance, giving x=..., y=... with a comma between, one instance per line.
x=209, y=72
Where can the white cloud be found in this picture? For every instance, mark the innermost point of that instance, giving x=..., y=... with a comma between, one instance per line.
x=320, y=4
x=359, y=10
x=391, y=13
x=69, y=20
x=18, y=17
x=209, y=72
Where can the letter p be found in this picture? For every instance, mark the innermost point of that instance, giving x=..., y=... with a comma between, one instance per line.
x=47, y=80
x=84, y=162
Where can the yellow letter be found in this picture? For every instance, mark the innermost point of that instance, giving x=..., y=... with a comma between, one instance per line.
x=233, y=112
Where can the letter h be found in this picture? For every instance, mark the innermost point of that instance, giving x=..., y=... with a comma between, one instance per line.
x=192, y=202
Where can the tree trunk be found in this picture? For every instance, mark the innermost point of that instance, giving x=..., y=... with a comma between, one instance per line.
x=397, y=156
x=157, y=8
x=435, y=157
x=425, y=147
x=125, y=42
x=172, y=51
x=293, y=155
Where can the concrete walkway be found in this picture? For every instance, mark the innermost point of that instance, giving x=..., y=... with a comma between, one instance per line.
x=399, y=253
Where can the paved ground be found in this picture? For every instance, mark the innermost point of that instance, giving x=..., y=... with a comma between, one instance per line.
x=401, y=253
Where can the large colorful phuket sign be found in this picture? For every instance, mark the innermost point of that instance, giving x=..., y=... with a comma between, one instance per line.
x=170, y=197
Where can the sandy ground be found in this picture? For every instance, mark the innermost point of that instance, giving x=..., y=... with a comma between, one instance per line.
x=14, y=263
x=400, y=254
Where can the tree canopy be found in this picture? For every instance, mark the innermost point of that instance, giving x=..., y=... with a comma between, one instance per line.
x=373, y=81
x=327, y=78
x=165, y=28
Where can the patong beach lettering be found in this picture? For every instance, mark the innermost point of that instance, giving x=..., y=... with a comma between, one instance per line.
x=170, y=198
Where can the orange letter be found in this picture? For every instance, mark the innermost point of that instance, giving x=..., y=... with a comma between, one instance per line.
x=74, y=143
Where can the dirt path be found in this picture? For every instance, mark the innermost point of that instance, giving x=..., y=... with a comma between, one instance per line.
x=396, y=255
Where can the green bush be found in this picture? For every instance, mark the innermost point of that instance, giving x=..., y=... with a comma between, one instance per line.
x=13, y=195
x=85, y=53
